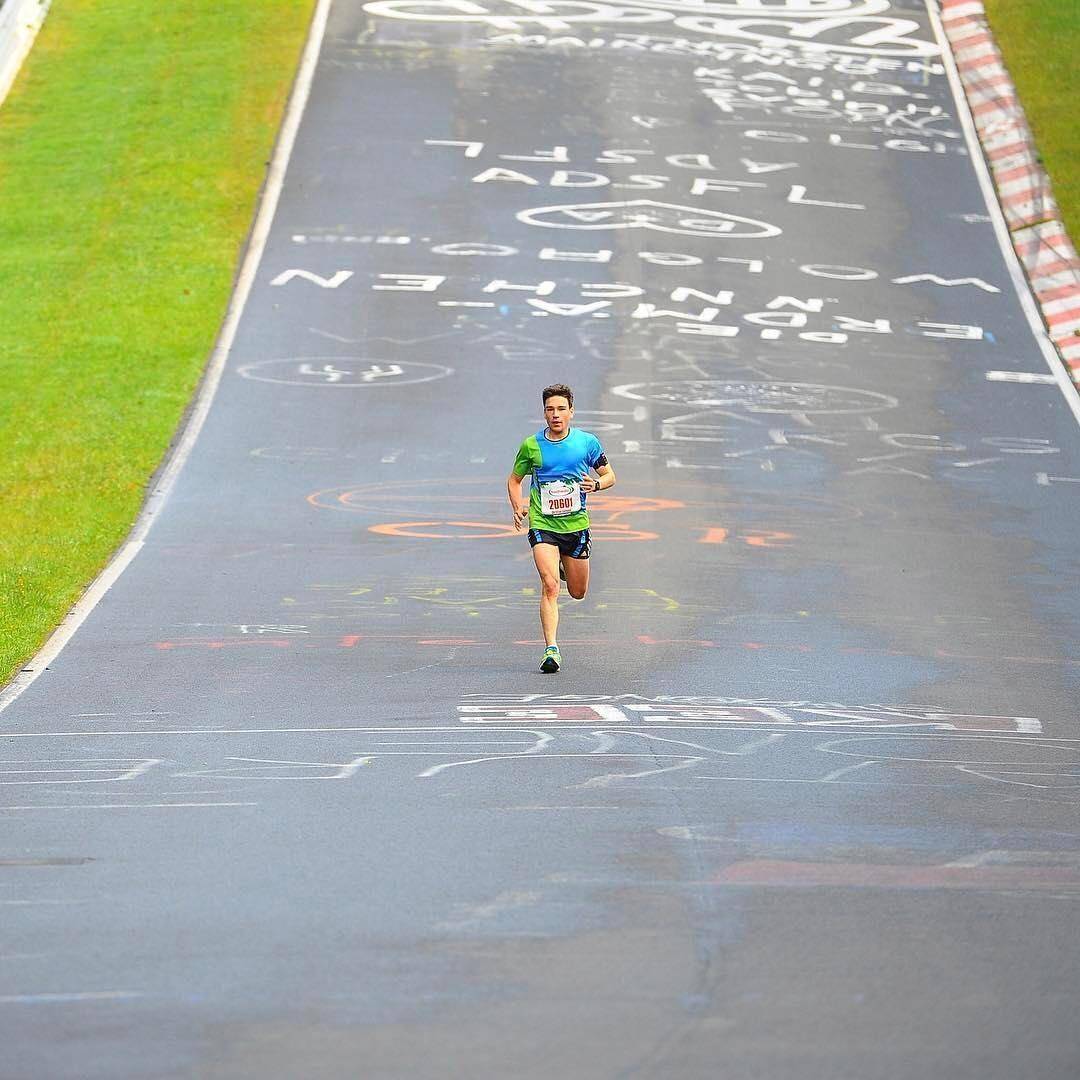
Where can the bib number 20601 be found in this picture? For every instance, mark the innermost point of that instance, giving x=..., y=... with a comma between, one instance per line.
x=559, y=498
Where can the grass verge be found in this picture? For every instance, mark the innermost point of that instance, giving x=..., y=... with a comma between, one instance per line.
x=132, y=149
x=1039, y=40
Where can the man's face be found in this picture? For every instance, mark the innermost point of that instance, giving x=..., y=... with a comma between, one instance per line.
x=558, y=412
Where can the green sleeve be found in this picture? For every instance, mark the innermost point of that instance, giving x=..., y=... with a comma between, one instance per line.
x=523, y=463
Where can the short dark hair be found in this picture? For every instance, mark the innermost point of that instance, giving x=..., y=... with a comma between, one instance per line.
x=559, y=390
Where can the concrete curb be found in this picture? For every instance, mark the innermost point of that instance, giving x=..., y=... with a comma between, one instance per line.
x=20, y=21
x=1039, y=237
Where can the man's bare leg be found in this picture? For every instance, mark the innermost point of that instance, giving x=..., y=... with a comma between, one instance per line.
x=546, y=557
x=577, y=576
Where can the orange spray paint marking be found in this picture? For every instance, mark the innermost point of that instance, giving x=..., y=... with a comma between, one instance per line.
x=492, y=530
x=418, y=529
x=606, y=531
x=714, y=535
x=769, y=539
x=614, y=506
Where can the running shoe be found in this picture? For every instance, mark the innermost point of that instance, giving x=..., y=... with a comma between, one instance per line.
x=552, y=660
x=562, y=572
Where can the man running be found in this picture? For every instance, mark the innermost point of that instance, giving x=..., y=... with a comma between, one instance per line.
x=558, y=459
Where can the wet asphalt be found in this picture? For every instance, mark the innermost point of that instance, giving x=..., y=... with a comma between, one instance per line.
x=295, y=801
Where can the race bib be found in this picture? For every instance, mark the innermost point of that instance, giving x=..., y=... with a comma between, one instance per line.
x=559, y=498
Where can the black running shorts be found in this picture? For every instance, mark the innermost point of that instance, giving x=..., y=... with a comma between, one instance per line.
x=575, y=545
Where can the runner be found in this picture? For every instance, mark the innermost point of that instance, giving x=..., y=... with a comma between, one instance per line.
x=558, y=459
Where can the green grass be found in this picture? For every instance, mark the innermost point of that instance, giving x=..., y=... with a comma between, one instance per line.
x=132, y=149
x=1040, y=41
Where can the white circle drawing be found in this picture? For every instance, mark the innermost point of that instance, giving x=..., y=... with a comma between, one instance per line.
x=343, y=372
x=648, y=214
x=759, y=397
x=554, y=14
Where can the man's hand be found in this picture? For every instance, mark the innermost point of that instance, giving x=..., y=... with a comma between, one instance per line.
x=519, y=509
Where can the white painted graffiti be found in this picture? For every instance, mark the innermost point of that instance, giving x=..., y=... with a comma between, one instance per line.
x=808, y=9
x=981, y=752
x=647, y=214
x=779, y=317
x=878, y=36
x=1045, y=479
x=342, y=371
x=701, y=185
x=760, y=397
x=770, y=92
x=241, y=768
x=707, y=439
x=697, y=162
x=666, y=259
x=330, y=237
x=579, y=178
x=710, y=709
x=512, y=14
x=773, y=55
x=702, y=162
x=67, y=771
x=860, y=29
x=334, y=281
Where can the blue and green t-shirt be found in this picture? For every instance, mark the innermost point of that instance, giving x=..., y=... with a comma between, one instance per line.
x=558, y=467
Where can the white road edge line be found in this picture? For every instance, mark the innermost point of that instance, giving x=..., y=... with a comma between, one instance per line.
x=19, y=26
x=997, y=217
x=175, y=461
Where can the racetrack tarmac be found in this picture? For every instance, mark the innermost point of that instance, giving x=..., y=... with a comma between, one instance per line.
x=294, y=801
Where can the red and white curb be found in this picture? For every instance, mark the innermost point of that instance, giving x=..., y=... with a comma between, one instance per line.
x=1038, y=235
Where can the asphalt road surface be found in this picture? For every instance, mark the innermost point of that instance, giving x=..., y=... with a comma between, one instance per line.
x=295, y=801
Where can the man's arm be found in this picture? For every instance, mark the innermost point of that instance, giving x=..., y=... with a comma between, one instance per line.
x=518, y=507
x=605, y=478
